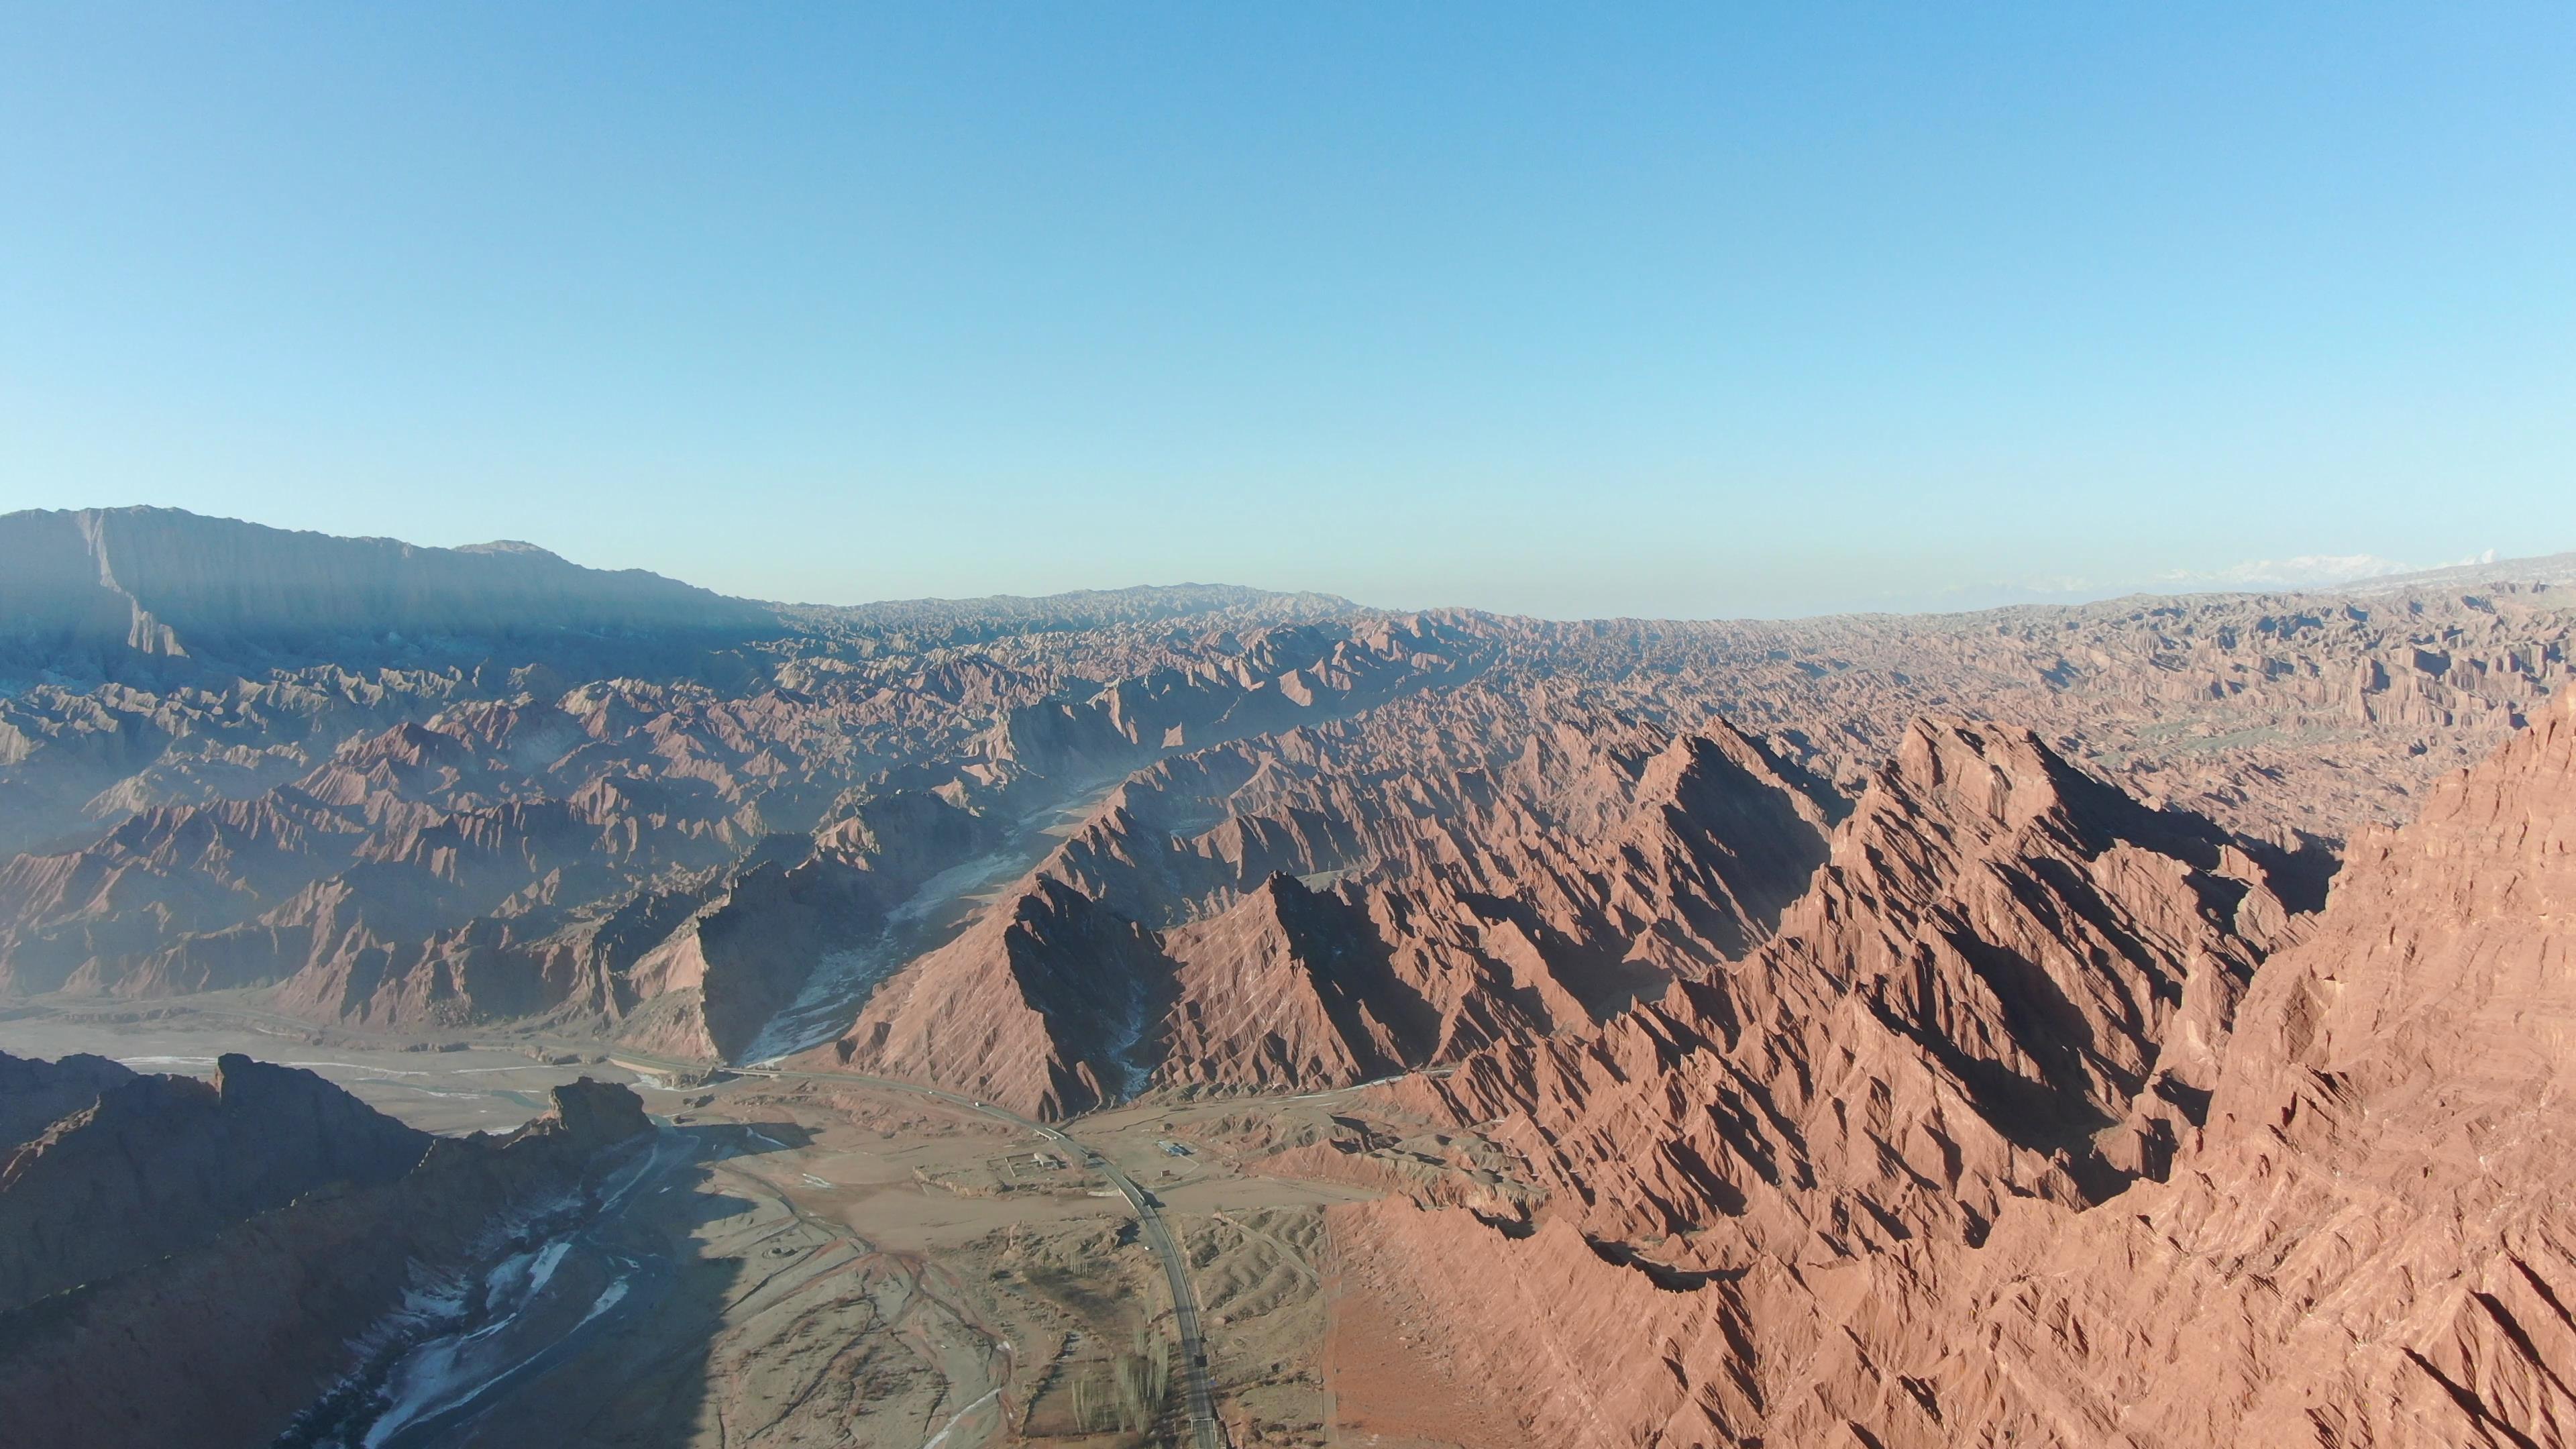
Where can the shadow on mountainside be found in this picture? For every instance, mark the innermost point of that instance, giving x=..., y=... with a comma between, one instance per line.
x=743, y=1315
x=635, y=1372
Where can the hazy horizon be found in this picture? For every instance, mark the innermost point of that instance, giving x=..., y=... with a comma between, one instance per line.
x=999, y=848
x=1664, y=313
x=2314, y=572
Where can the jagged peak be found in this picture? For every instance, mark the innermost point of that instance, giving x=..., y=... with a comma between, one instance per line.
x=1278, y=889
x=2000, y=773
x=1722, y=749
x=590, y=1114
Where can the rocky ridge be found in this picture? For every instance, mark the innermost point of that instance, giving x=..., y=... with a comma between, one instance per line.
x=1441, y=830
x=159, y=1163
x=137, y=591
x=582, y=856
x=2356, y=1240
x=34, y=1095
x=1295, y=914
x=254, y=1287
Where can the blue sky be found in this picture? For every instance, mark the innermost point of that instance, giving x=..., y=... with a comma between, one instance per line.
x=1693, y=310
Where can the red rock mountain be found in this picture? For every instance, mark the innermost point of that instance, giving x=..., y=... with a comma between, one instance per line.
x=1041, y=1006
x=404, y=789
x=1913, y=1209
x=1173, y=940
x=2007, y=979
x=1873, y=1031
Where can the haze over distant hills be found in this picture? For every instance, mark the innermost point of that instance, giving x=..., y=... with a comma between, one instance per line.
x=145, y=582
x=401, y=784
x=111, y=590
x=1734, y=973
x=102, y=587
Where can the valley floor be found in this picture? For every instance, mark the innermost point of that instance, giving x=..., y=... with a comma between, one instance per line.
x=822, y=1262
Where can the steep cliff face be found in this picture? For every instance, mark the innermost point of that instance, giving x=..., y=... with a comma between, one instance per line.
x=1289, y=990
x=2373, y=1245
x=157, y=1164
x=2366, y=1244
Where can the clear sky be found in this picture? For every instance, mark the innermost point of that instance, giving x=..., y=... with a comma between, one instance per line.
x=1691, y=310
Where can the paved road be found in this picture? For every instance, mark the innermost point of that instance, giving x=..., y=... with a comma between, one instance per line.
x=1185, y=1299
x=1205, y=1431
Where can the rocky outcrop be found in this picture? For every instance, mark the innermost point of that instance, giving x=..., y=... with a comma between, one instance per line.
x=34, y=1095
x=2008, y=980
x=587, y=1117
x=1043, y=1006
x=1289, y=990
x=2364, y=1243
x=157, y=1164
x=225, y=1340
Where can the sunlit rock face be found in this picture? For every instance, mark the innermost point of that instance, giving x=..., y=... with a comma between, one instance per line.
x=419, y=789
x=1830, y=1222
x=2024, y=1027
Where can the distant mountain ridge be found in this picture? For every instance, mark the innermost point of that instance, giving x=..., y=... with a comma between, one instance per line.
x=1425, y=833
x=118, y=586
x=158, y=592
x=2555, y=568
x=932, y=623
